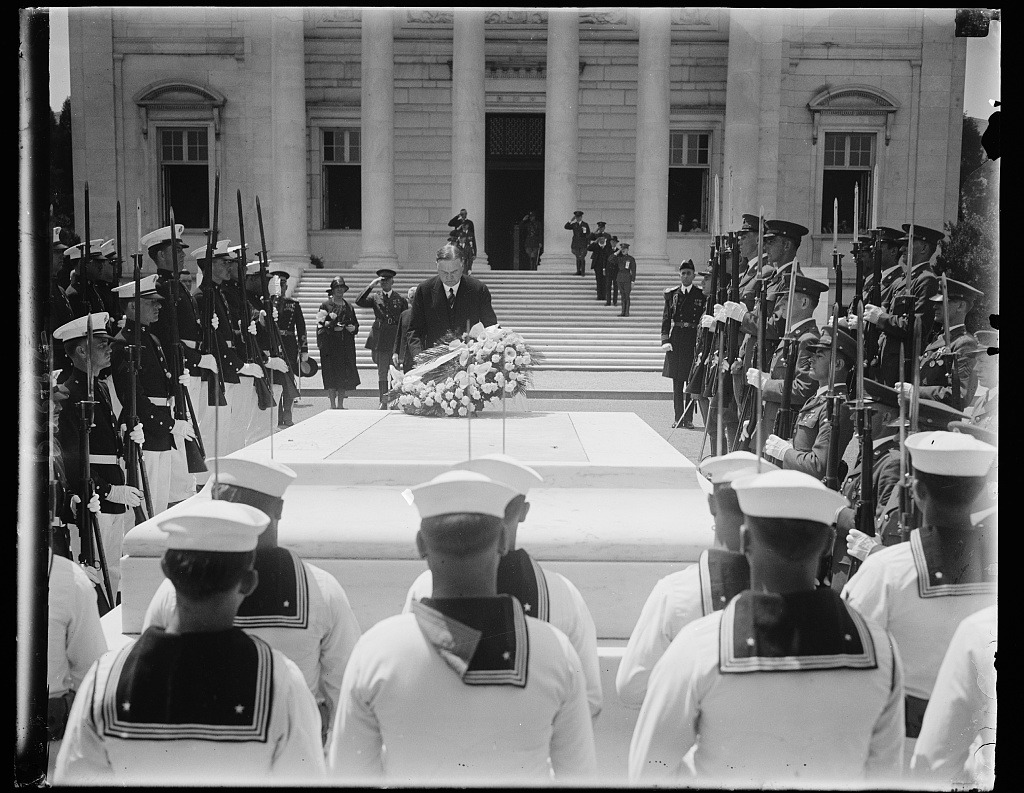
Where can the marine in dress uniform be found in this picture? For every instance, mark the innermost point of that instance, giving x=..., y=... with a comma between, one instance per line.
x=292, y=326
x=60, y=311
x=956, y=748
x=935, y=380
x=921, y=590
x=625, y=276
x=201, y=702
x=548, y=596
x=508, y=688
x=164, y=447
x=297, y=608
x=260, y=422
x=95, y=296
x=387, y=307
x=580, y=240
x=106, y=446
x=807, y=450
x=684, y=306
x=787, y=685
x=678, y=599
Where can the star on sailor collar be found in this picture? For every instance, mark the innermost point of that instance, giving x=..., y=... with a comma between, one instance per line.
x=126, y=706
x=239, y=708
x=506, y=655
x=286, y=604
x=527, y=607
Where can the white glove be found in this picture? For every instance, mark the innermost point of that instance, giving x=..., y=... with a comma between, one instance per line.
x=757, y=378
x=251, y=370
x=94, y=503
x=183, y=429
x=137, y=436
x=305, y=356
x=185, y=377
x=667, y=346
x=252, y=327
x=859, y=544
x=208, y=362
x=719, y=312
x=736, y=311
x=215, y=321
x=125, y=494
x=277, y=364
x=776, y=447
x=873, y=314
x=905, y=389
x=707, y=321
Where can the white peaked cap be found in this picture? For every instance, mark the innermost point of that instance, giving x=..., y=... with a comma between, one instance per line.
x=504, y=469
x=716, y=468
x=163, y=235
x=455, y=492
x=109, y=248
x=211, y=525
x=78, y=328
x=222, y=248
x=78, y=251
x=264, y=476
x=787, y=494
x=950, y=453
x=252, y=268
x=147, y=288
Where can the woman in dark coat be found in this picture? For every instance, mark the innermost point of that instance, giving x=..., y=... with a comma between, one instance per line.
x=336, y=329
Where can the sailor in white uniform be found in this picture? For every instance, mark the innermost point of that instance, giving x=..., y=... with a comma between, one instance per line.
x=921, y=590
x=544, y=594
x=695, y=591
x=465, y=689
x=785, y=686
x=297, y=608
x=956, y=748
x=202, y=702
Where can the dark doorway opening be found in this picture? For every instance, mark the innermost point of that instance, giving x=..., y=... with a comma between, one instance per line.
x=514, y=184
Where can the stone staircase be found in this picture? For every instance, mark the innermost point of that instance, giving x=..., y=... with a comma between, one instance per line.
x=557, y=313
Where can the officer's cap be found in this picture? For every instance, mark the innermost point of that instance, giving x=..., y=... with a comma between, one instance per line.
x=888, y=234
x=958, y=290
x=282, y=274
x=386, y=272
x=264, y=476
x=213, y=525
x=460, y=492
x=847, y=343
x=922, y=233
x=578, y=213
x=601, y=223
x=686, y=264
x=503, y=469
x=981, y=433
x=749, y=224
x=78, y=251
x=950, y=453
x=147, y=288
x=804, y=285
x=624, y=245
x=787, y=494
x=931, y=415
x=717, y=468
x=783, y=228
x=163, y=235
x=223, y=248
x=78, y=328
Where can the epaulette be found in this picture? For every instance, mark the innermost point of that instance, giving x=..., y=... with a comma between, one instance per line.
x=670, y=289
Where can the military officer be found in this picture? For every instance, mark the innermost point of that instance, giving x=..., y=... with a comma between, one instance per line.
x=296, y=608
x=921, y=590
x=684, y=306
x=580, y=240
x=544, y=594
x=782, y=240
x=93, y=295
x=983, y=408
x=600, y=250
x=200, y=702
x=387, y=307
x=611, y=269
x=678, y=599
x=889, y=247
x=807, y=451
x=293, y=338
x=747, y=237
x=787, y=684
x=625, y=276
x=508, y=687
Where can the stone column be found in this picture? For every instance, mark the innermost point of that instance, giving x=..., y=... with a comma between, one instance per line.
x=742, y=114
x=286, y=217
x=378, y=139
x=468, y=136
x=652, y=118
x=561, y=137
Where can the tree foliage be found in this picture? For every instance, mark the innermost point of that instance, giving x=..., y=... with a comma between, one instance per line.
x=62, y=186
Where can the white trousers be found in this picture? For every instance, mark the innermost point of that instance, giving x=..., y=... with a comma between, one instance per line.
x=169, y=477
x=263, y=422
x=242, y=398
x=112, y=529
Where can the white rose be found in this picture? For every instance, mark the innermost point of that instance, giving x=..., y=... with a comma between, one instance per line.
x=488, y=347
x=513, y=376
x=510, y=353
x=493, y=398
x=475, y=393
x=447, y=394
x=463, y=411
x=499, y=378
x=518, y=360
x=464, y=400
x=495, y=358
x=509, y=366
x=448, y=411
x=499, y=347
x=520, y=346
x=429, y=401
x=527, y=360
x=510, y=387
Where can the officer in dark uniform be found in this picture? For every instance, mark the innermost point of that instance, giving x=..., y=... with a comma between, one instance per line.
x=292, y=326
x=936, y=382
x=611, y=270
x=890, y=246
x=387, y=307
x=580, y=240
x=600, y=249
x=684, y=305
x=95, y=296
x=625, y=276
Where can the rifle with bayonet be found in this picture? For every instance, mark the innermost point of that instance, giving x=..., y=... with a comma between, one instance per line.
x=289, y=392
x=872, y=337
x=251, y=351
x=747, y=413
x=215, y=396
x=720, y=296
x=834, y=401
x=948, y=356
x=783, y=426
x=907, y=512
x=702, y=346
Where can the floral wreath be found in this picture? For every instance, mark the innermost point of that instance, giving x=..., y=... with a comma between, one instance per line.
x=459, y=376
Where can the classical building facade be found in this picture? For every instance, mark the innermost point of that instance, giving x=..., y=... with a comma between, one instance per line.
x=364, y=131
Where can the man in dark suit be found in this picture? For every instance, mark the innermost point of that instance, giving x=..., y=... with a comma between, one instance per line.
x=684, y=305
x=464, y=236
x=447, y=302
x=402, y=356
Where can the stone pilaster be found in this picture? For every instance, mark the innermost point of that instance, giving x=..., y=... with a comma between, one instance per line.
x=468, y=119
x=742, y=114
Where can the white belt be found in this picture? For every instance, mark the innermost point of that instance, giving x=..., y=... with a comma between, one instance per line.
x=103, y=459
x=164, y=402
x=190, y=344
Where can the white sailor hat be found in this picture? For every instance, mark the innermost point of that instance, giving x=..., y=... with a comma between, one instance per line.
x=950, y=453
x=787, y=494
x=163, y=235
x=213, y=525
x=77, y=251
x=222, y=248
x=147, y=288
x=264, y=476
x=78, y=328
x=716, y=468
x=458, y=492
x=504, y=469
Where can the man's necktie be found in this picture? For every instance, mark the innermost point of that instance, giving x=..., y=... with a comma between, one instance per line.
x=451, y=298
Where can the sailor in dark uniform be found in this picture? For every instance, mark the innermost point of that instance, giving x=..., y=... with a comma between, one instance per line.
x=787, y=685
x=696, y=591
x=684, y=305
x=292, y=326
x=387, y=307
x=201, y=702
